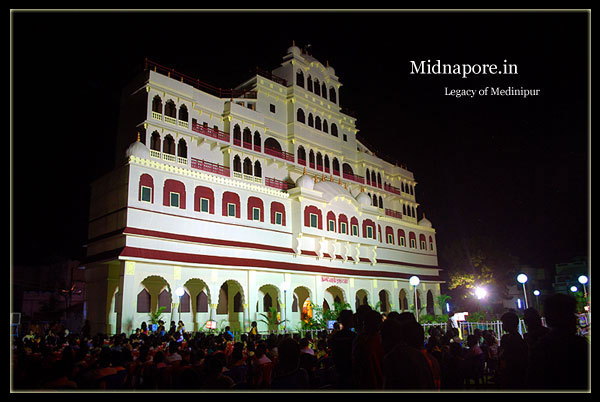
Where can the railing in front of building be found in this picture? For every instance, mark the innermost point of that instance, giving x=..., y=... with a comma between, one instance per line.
x=210, y=132
x=279, y=184
x=279, y=154
x=196, y=83
x=353, y=177
x=393, y=214
x=392, y=189
x=209, y=167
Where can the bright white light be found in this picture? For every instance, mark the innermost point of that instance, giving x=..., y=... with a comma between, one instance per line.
x=583, y=279
x=480, y=293
x=414, y=280
x=573, y=289
x=519, y=303
x=536, y=292
x=522, y=278
x=448, y=307
x=179, y=292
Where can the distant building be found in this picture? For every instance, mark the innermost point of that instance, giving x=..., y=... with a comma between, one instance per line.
x=249, y=198
x=567, y=274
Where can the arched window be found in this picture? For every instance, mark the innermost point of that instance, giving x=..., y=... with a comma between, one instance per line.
x=309, y=83
x=204, y=200
x=257, y=169
x=331, y=222
x=325, y=126
x=335, y=166
x=380, y=202
x=301, y=155
x=237, y=135
x=368, y=228
x=401, y=238
x=164, y=300
x=318, y=123
x=272, y=143
x=422, y=242
x=182, y=148
x=143, y=302
x=247, y=137
x=311, y=121
x=317, y=87
x=183, y=113
x=332, y=95
x=389, y=235
x=257, y=141
x=146, y=188
x=430, y=304
x=155, y=141
x=300, y=78
x=347, y=169
x=231, y=204
x=313, y=217
x=157, y=104
x=414, y=213
x=324, y=90
x=430, y=243
x=412, y=240
x=202, y=302
x=326, y=162
x=334, y=130
x=300, y=116
x=237, y=164
x=378, y=179
x=311, y=159
x=169, y=145
x=343, y=224
x=170, y=109
x=247, y=166
x=277, y=213
x=255, y=209
x=374, y=201
x=174, y=194
x=319, y=161
x=368, y=176
x=184, y=303
x=354, y=226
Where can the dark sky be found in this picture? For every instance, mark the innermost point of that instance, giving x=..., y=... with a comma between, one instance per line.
x=512, y=168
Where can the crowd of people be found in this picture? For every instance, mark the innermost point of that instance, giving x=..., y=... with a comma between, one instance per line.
x=365, y=351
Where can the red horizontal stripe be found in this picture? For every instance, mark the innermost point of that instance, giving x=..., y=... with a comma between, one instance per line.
x=135, y=252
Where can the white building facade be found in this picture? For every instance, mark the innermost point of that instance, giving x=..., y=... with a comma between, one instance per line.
x=247, y=199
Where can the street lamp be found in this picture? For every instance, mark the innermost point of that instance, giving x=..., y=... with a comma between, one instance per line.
x=574, y=289
x=522, y=278
x=414, y=281
x=536, y=293
x=480, y=293
x=285, y=286
x=179, y=292
x=583, y=280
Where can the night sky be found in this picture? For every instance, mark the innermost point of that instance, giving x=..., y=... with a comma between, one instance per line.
x=512, y=168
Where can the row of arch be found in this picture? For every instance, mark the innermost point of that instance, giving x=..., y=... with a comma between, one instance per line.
x=373, y=178
x=315, y=86
x=170, y=109
x=316, y=122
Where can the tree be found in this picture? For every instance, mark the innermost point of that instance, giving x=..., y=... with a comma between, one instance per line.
x=478, y=261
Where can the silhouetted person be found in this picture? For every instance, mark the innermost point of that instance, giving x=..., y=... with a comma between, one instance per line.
x=341, y=349
x=535, y=329
x=512, y=355
x=367, y=352
x=404, y=366
x=559, y=360
x=287, y=373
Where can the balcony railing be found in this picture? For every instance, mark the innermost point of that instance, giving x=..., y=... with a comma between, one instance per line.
x=210, y=132
x=196, y=83
x=209, y=167
x=279, y=154
x=275, y=183
x=392, y=189
x=393, y=214
x=302, y=162
x=353, y=177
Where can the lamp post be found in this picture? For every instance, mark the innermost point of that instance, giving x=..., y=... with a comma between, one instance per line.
x=522, y=278
x=537, y=298
x=414, y=281
x=583, y=280
x=179, y=292
x=285, y=286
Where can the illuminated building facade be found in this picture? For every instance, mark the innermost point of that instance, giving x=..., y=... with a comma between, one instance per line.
x=250, y=198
